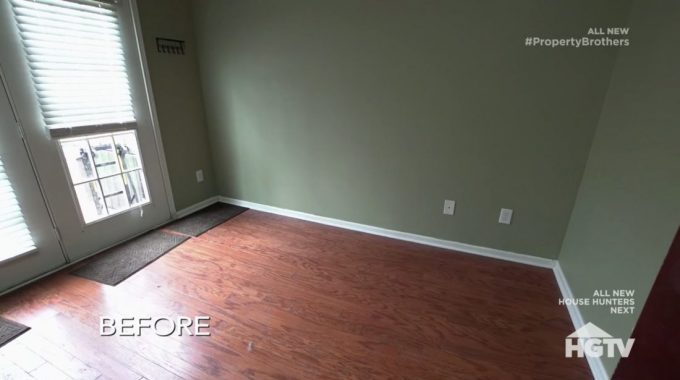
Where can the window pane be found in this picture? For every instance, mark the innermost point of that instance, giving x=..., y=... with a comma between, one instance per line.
x=91, y=201
x=101, y=187
x=79, y=160
x=114, y=194
x=128, y=151
x=136, y=187
x=104, y=156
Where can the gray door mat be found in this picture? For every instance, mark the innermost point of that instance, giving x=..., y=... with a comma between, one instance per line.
x=116, y=264
x=205, y=219
x=10, y=330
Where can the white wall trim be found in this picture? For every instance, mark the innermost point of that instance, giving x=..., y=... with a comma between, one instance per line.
x=195, y=207
x=153, y=112
x=596, y=366
x=399, y=235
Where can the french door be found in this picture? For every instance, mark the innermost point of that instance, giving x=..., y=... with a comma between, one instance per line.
x=28, y=242
x=74, y=70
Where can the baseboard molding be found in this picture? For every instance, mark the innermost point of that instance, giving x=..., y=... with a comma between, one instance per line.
x=421, y=239
x=596, y=366
x=195, y=207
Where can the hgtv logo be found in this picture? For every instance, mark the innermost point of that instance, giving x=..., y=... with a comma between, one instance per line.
x=594, y=342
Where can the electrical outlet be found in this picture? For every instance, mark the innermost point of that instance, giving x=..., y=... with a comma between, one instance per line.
x=449, y=207
x=199, y=175
x=506, y=216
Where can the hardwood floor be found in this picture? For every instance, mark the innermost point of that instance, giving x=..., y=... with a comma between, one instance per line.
x=314, y=302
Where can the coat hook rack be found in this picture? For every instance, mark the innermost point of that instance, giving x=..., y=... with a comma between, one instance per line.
x=169, y=46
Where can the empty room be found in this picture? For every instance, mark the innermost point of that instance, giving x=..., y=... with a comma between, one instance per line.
x=339, y=189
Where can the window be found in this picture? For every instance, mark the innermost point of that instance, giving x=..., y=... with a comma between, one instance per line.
x=74, y=50
x=15, y=238
x=106, y=173
x=75, y=54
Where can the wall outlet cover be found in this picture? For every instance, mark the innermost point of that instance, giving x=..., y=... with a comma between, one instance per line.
x=449, y=207
x=199, y=175
x=505, y=216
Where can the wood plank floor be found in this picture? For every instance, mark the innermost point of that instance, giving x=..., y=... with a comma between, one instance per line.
x=315, y=302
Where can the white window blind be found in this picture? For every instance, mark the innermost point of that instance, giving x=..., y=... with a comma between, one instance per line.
x=76, y=59
x=14, y=236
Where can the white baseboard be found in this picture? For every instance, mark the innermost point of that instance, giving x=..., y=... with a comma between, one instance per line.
x=596, y=366
x=421, y=239
x=195, y=207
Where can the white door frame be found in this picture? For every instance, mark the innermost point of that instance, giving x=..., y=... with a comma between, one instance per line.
x=18, y=166
x=152, y=106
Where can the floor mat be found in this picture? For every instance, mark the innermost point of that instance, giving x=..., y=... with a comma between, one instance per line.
x=10, y=330
x=122, y=261
x=205, y=219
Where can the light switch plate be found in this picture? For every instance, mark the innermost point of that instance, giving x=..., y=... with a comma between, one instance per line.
x=449, y=207
x=505, y=216
x=199, y=176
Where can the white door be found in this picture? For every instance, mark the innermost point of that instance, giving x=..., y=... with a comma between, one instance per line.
x=74, y=69
x=28, y=241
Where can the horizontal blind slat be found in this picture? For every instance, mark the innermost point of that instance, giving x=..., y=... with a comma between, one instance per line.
x=78, y=16
x=47, y=28
x=61, y=45
x=105, y=8
x=116, y=60
x=67, y=107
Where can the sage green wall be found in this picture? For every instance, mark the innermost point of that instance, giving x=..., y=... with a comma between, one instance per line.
x=179, y=102
x=375, y=112
x=628, y=205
